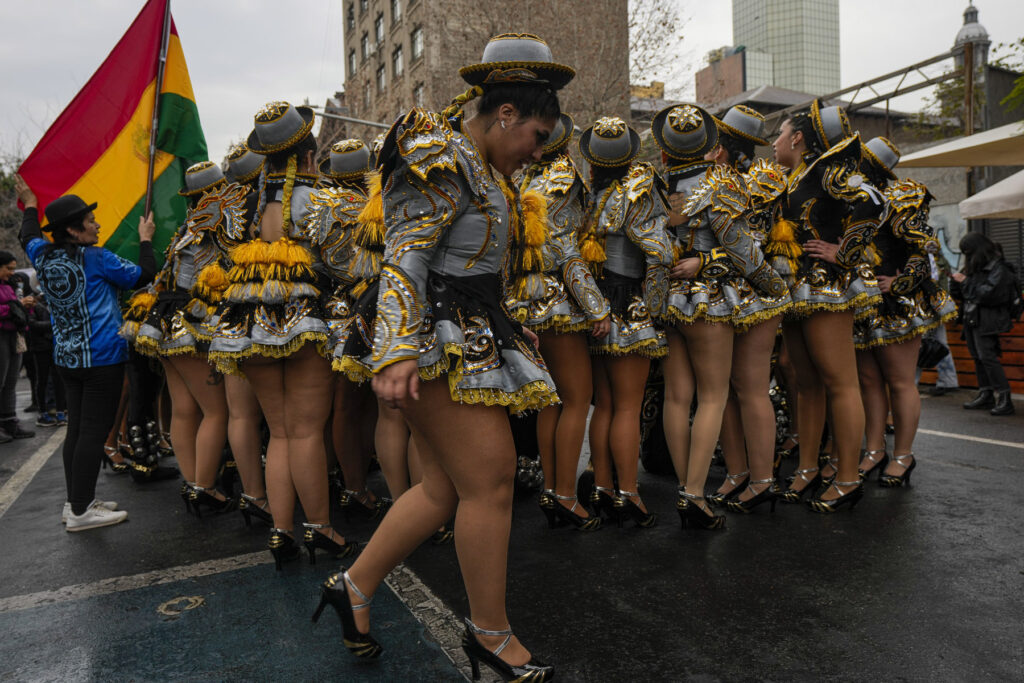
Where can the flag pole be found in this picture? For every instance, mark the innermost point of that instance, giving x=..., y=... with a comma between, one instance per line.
x=161, y=63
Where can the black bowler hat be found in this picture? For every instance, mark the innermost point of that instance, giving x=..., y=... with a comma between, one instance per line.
x=65, y=211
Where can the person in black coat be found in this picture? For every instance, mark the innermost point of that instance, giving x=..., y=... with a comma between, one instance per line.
x=987, y=287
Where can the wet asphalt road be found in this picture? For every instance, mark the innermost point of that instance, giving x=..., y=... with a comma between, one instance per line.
x=921, y=583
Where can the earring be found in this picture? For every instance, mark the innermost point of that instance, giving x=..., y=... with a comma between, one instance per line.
x=502, y=123
x=792, y=145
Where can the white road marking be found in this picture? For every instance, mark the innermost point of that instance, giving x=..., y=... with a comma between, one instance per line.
x=976, y=439
x=23, y=477
x=119, y=584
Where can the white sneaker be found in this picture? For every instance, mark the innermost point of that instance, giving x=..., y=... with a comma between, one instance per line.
x=94, y=517
x=105, y=504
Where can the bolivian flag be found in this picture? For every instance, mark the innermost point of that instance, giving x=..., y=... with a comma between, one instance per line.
x=98, y=148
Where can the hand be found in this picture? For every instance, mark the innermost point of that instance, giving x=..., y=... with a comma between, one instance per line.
x=686, y=269
x=397, y=383
x=532, y=337
x=602, y=327
x=820, y=249
x=676, y=201
x=25, y=194
x=28, y=301
x=147, y=228
x=885, y=282
x=958, y=277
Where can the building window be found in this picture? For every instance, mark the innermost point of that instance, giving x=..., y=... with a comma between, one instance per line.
x=382, y=78
x=367, y=97
x=396, y=61
x=396, y=11
x=364, y=43
x=417, y=95
x=350, y=20
x=363, y=5
x=351, y=62
x=417, y=44
x=378, y=28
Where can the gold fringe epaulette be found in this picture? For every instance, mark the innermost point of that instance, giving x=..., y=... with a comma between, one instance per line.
x=370, y=229
x=529, y=233
x=782, y=243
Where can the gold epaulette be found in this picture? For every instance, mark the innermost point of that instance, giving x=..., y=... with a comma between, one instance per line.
x=766, y=180
x=220, y=210
x=722, y=190
x=638, y=181
x=424, y=141
x=559, y=176
x=332, y=208
x=907, y=194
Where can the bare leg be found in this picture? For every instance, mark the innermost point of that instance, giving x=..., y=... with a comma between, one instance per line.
x=206, y=387
x=751, y=377
x=810, y=418
x=185, y=418
x=600, y=424
x=244, y=434
x=568, y=360
x=734, y=447
x=876, y=405
x=346, y=427
x=709, y=346
x=392, y=440
x=899, y=362
x=628, y=375
x=468, y=458
x=675, y=414
x=267, y=379
x=785, y=374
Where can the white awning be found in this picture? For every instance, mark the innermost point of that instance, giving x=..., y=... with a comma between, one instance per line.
x=1002, y=146
x=1005, y=199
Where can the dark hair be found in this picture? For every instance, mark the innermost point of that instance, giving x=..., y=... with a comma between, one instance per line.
x=874, y=174
x=741, y=152
x=801, y=122
x=601, y=177
x=529, y=99
x=6, y=257
x=979, y=250
x=278, y=161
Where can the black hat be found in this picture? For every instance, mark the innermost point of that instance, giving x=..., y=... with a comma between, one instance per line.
x=65, y=211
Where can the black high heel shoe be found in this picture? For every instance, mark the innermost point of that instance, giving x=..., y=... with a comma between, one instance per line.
x=547, y=504
x=738, y=481
x=694, y=516
x=199, y=497
x=282, y=547
x=627, y=508
x=602, y=501
x=894, y=481
x=569, y=516
x=850, y=498
x=108, y=461
x=533, y=671
x=767, y=495
x=353, y=503
x=792, y=495
x=361, y=645
x=313, y=540
x=186, y=495
x=876, y=465
x=250, y=507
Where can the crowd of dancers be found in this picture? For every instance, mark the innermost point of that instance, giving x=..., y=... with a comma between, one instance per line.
x=465, y=268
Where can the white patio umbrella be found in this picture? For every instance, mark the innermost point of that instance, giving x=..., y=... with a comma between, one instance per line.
x=1005, y=199
x=1002, y=146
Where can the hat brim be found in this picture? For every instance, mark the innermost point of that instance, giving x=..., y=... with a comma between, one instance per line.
x=873, y=159
x=70, y=218
x=567, y=129
x=253, y=144
x=634, y=150
x=724, y=127
x=325, y=170
x=201, y=190
x=248, y=177
x=556, y=75
x=710, y=125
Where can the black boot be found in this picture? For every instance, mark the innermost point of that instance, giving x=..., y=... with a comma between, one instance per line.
x=984, y=399
x=15, y=430
x=1004, y=404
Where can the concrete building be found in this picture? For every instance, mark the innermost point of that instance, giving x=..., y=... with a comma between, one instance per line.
x=404, y=53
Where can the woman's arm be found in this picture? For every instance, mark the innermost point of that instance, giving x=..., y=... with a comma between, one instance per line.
x=147, y=258
x=30, y=219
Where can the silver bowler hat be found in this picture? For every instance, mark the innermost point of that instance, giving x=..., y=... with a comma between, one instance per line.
x=684, y=131
x=517, y=58
x=201, y=177
x=349, y=159
x=743, y=123
x=243, y=166
x=830, y=123
x=882, y=153
x=560, y=134
x=609, y=143
x=279, y=126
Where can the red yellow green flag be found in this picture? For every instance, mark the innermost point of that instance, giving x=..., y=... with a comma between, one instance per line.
x=98, y=148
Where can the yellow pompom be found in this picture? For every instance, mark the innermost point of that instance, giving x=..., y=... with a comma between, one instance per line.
x=370, y=231
x=592, y=251
x=211, y=283
x=535, y=215
x=783, y=231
